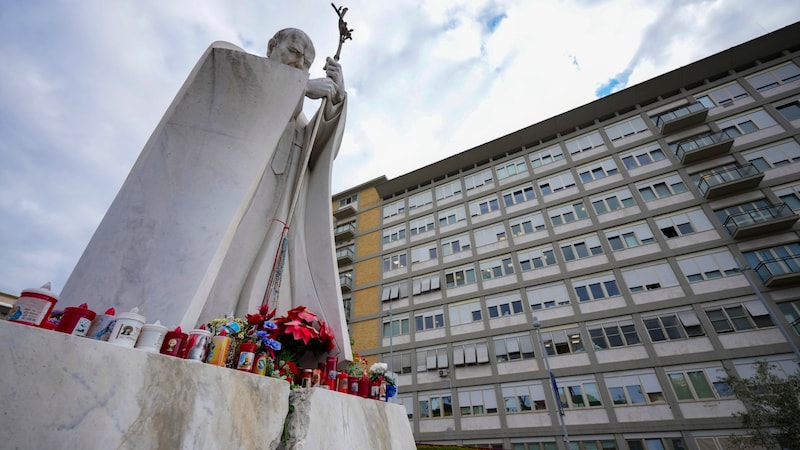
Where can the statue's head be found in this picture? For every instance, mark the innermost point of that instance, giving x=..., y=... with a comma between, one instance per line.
x=292, y=47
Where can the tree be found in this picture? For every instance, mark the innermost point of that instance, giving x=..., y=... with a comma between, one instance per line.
x=773, y=409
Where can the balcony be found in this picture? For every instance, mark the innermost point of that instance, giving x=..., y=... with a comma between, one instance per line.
x=345, y=231
x=345, y=211
x=682, y=117
x=723, y=182
x=703, y=146
x=345, y=256
x=760, y=221
x=346, y=283
x=779, y=272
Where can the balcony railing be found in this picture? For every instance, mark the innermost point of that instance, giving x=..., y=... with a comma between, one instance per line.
x=761, y=220
x=345, y=256
x=779, y=272
x=346, y=283
x=345, y=211
x=722, y=182
x=682, y=117
x=345, y=231
x=703, y=146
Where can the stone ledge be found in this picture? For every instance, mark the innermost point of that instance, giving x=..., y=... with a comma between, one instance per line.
x=62, y=391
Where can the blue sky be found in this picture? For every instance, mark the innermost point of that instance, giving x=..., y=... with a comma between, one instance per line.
x=84, y=83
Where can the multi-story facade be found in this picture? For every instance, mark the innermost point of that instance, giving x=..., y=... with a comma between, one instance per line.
x=651, y=234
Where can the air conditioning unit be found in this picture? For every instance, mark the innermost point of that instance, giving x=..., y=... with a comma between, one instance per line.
x=444, y=373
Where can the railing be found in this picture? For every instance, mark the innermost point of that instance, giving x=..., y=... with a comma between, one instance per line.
x=716, y=178
x=678, y=113
x=767, y=270
x=348, y=227
x=345, y=253
x=346, y=282
x=698, y=142
x=755, y=216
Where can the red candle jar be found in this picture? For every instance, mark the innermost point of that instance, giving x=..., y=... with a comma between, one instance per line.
x=343, y=382
x=375, y=389
x=330, y=372
x=173, y=343
x=260, y=364
x=247, y=354
x=76, y=320
x=353, y=381
x=33, y=307
x=363, y=386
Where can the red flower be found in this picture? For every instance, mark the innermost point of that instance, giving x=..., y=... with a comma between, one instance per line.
x=326, y=336
x=254, y=319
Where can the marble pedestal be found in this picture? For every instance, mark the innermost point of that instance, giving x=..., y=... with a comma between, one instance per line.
x=69, y=392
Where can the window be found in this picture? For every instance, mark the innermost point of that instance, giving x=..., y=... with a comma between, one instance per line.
x=774, y=77
x=496, y=268
x=351, y=200
x=661, y=188
x=722, y=96
x=346, y=278
x=451, y=216
x=396, y=261
x=470, y=353
x=596, y=288
x=672, y=443
x=546, y=156
x=425, y=284
x=536, y=258
x=564, y=214
x=467, y=311
x=521, y=226
x=612, y=201
x=420, y=200
x=582, y=247
x=751, y=207
x=597, y=171
x=490, y=235
x=424, y=253
x=394, y=291
x=455, y=244
x=475, y=402
x=642, y=156
x=626, y=128
x=781, y=260
x=483, y=206
x=630, y=236
x=774, y=155
x=561, y=342
x=513, y=347
x=747, y=123
x=432, y=359
x=790, y=111
x=510, y=168
x=791, y=196
x=394, y=234
x=708, y=266
x=739, y=317
x=579, y=393
x=395, y=327
x=525, y=396
x=394, y=209
x=429, y=320
x=460, y=277
x=421, y=225
x=634, y=388
x=448, y=190
x=584, y=143
x=518, y=195
x=399, y=362
x=791, y=312
x=434, y=405
x=408, y=402
x=699, y=384
x=612, y=334
x=548, y=296
x=477, y=180
x=648, y=278
x=673, y=326
x=683, y=223
x=557, y=183
x=504, y=304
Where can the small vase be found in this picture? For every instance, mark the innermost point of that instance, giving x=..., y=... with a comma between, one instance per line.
x=391, y=391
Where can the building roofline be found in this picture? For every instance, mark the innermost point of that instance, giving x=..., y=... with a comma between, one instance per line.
x=607, y=107
x=360, y=187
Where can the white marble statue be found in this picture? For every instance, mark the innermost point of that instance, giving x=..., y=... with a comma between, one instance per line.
x=193, y=233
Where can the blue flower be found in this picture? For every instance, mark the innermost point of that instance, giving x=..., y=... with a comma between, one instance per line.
x=272, y=343
x=269, y=325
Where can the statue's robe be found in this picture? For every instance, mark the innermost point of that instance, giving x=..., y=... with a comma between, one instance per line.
x=192, y=235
